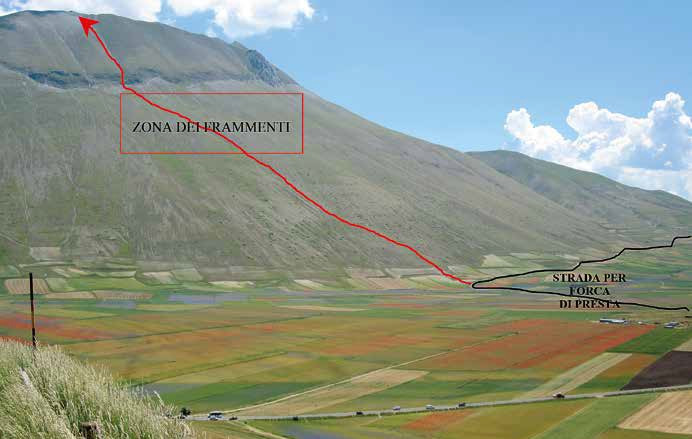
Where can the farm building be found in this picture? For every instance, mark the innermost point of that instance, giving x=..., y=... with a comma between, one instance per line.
x=612, y=321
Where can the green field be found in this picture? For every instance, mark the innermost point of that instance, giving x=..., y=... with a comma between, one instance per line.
x=597, y=418
x=656, y=342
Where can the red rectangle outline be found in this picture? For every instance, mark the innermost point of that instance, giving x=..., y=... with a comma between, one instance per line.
x=302, y=121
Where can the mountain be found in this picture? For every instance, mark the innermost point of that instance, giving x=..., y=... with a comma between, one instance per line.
x=614, y=205
x=64, y=185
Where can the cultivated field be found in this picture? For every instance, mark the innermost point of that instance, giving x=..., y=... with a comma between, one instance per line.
x=672, y=369
x=585, y=419
x=669, y=413
x=253, y=337
x=578, y=375
x=21, y=286
x=687, y=346
x=322, y=399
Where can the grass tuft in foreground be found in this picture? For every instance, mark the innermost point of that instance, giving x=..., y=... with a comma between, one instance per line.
x=48, y=394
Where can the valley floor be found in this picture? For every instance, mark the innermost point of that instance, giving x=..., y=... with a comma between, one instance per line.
x=261, y=350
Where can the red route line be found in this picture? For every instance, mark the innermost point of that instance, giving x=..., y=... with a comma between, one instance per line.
x=274, y=171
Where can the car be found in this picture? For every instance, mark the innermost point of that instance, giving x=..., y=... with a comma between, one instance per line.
x=359, y=413
x=430, y=407
x=559, y=396
x=215, y=416
x=396, y=408
x=295, y=418
x=233, y=418
x=461, y=404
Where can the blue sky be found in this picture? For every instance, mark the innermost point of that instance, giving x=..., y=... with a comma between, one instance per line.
x=451, y=73
x=460, y=73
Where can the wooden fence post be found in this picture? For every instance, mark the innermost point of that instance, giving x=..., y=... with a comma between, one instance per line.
x=90, y=430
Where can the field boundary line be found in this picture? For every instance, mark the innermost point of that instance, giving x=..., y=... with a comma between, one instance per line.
x=363, y=375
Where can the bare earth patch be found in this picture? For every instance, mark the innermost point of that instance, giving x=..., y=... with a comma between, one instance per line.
x=672, y=369
x=669, y=413
x=337, y=394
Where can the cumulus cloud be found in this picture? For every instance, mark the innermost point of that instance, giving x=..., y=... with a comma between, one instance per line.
x=653, y=152
x=242, y=18
x=236, y=18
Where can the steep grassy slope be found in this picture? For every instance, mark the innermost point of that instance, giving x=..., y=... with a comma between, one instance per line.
x=63, y=183
x=49, y=395
x=610, y=203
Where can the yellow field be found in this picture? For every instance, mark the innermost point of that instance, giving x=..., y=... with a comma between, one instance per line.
x=319, y=399
x=577, y=376
x=687, y=346
x=21, y=286
x=669, y=413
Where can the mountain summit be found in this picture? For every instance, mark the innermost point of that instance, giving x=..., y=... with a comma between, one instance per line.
x=49, y=47
x=64, y=185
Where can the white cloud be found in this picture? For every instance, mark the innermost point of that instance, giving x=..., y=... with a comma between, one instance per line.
x=237, y=18
x=653, y=152
x=242, y=18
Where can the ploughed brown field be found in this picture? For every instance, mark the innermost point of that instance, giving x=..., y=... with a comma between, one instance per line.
x=672, y=369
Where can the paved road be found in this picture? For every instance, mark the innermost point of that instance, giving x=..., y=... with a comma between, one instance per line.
x=450, y=407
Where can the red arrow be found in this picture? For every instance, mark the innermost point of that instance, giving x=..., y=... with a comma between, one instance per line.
x=86, y=24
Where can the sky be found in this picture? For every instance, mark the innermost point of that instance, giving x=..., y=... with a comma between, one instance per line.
x=599, y=87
